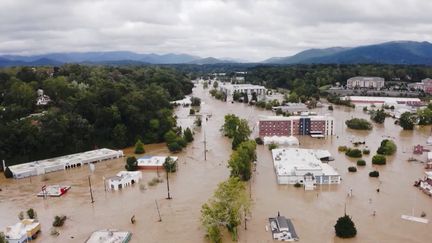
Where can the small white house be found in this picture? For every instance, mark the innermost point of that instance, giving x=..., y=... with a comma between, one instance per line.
x=23, y=231
x=123, y=179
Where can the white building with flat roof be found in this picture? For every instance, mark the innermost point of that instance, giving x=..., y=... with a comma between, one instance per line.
x=41, y=167
x=377, y=100
x=150, y=162
x=304, y=166
x=23, y=231
x=229, y=89
x=109, y=236
x=365, y=82
x=123, y=179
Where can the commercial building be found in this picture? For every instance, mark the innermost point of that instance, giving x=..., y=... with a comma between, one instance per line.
x=316, y=126
x=291, y=107
x=149, y=162
x=390, y=101
x=304, y=166
x=123, y=179
x=249, y=89
x=365, y=82
x=425, y=85
x=282, y=229
x=109, y=236
x=23, y=231
x=63, y=162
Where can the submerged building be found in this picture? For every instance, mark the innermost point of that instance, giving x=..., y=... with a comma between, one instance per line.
x=41, y=167
x=24, y=231
x=304, y=166
x=109, y=236
x=229, y=89
x=316, y=126
x=150, y=162
x=123, y=179
x=365, y=82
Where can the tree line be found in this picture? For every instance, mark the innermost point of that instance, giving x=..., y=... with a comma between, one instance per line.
x=91, y=107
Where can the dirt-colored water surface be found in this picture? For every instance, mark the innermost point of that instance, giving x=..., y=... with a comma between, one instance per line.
x=314, y=213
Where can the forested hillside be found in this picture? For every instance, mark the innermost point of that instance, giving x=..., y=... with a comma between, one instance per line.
x=92, y=106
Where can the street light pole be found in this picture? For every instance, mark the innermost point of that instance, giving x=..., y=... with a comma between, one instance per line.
x=167, y=177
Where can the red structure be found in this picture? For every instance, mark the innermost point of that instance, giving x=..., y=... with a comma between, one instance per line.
x=296, y=125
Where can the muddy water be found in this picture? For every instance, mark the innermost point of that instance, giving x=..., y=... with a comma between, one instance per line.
x=314, y=212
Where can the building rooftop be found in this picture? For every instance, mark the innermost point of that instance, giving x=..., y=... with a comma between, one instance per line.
x=366, y=78
x=109, y=236
x=290, y=118
x=20, y=229
x=150, y=160
x=378, y=99
x=62, y=160
x=124, y=175
x=241, y=86
x=297, y=161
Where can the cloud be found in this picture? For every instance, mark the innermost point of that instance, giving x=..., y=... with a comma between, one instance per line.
x=246, y=29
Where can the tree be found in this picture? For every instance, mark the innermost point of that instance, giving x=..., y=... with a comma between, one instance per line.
x=120, y=136
x=230, y=125
x=241, y=134
x=354, y=153
x=131, y=163
x=139, y=147
x=259, y=141
x=345, y=227
x=225, y=209
x=59, y=221
x=31, y=213
x=379, y=159
x=195, y=101
x=387, y=147
x=187, y=135
x=215, y=84
x=378, y=116
x=241, y=159
x=2, y=238
x=406, y=121
x=358, y=124
x=352, y=169
x=374, y=174
x=170, y=165
x=361, y=162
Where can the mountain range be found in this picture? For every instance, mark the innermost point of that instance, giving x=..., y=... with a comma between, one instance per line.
x=396, y=52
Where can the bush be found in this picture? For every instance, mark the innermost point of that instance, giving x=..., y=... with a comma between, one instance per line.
x=195, y=101
x=352, y=169
x=187, y=135
x=330, y=107
x=366, y=151
x=259, y=141
x=174, y=147
x=59, y=221
x=358, y=124
x=21, y=215
x=388, y=147
x=31, y=213
x=192, y=111
x=361, y=162
x=379, y=159
x=297, y=185
x=345, y=227
x=139, y=147
x=374, y=174
x=353, y=153
x=272, y=146
x=131, y=163
x=342, y=148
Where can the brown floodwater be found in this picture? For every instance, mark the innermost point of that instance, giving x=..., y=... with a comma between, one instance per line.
x=314, y=213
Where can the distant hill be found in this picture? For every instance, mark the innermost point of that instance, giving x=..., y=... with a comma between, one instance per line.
x=397, y=52
x=209, y=60
x=96, y=58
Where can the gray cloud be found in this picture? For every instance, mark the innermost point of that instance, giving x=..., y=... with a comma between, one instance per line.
x=246, y=29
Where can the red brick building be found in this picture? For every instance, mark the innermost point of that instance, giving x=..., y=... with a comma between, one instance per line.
x=296, y=125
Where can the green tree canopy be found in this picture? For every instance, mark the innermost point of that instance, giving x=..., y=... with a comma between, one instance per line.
x=406, y=121
x=131, y=163
x=345, y=227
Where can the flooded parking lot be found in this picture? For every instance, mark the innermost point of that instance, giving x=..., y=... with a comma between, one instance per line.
x=313, y=212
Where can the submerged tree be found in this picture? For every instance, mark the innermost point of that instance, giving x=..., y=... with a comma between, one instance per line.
x=345, y=227
x=131, y=164
x=226, y=209
x=406, y=121
x=139, y=147
x=187, y=135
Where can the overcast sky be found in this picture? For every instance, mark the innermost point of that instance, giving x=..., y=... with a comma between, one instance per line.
x=247, y=29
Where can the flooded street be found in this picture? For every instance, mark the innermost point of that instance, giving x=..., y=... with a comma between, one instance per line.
x=314, y=213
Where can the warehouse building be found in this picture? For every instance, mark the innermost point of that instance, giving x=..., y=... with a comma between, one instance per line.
x=63, y=162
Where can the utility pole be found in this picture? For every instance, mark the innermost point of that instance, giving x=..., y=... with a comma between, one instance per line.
x=91, y=191
x=157, y=207
x=167, y=177
x=205, y=140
